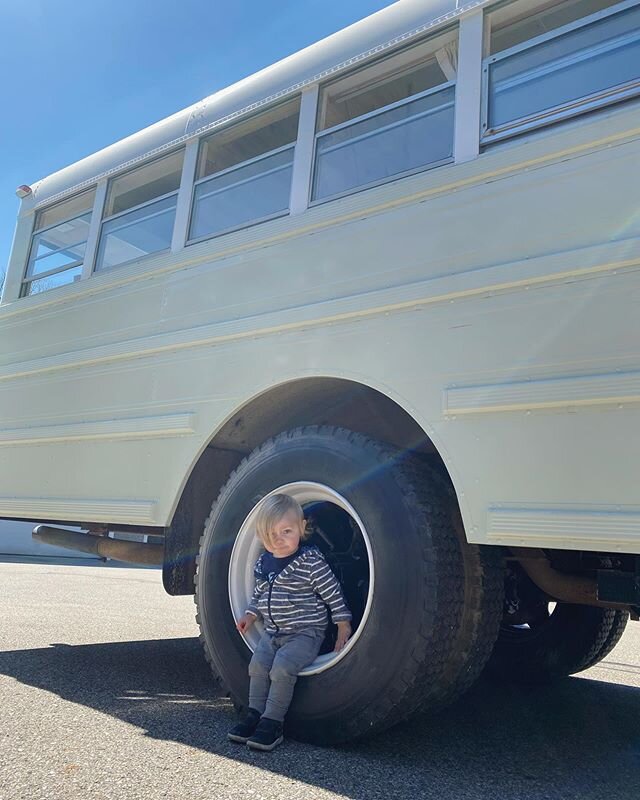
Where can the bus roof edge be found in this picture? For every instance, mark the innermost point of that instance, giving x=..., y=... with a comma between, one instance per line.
x=405, y=19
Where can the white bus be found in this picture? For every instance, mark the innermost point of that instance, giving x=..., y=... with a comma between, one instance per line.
x=395, y=275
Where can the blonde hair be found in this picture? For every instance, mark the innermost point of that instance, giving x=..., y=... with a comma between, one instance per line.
x=272, y=510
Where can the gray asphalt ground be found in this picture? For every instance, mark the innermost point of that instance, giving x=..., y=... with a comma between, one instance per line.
x=104, y=694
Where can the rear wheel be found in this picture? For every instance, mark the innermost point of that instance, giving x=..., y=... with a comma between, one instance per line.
x=387, y=529
x=541, y=641
x=613, y=637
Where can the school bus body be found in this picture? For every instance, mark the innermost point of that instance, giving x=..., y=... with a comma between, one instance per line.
x=442, y=366
x=495, y=301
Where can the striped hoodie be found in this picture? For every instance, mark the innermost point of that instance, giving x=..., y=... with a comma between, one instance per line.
x=298, y=597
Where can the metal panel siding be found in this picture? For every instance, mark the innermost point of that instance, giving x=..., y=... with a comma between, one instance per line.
x=580, y=527
x=510, y=269
x=555, y=392
x=123, y=511
x=128, y=428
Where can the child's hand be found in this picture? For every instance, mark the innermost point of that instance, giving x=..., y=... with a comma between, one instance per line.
x=344, y=632
x=245, y=622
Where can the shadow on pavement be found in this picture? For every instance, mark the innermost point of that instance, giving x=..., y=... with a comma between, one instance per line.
x=578, y=739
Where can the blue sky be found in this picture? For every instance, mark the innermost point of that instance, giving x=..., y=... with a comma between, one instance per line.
x=79, y=76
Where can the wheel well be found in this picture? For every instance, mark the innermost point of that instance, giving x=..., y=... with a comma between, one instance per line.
x=308, y=401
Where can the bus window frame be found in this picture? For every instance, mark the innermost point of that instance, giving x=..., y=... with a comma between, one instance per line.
x=27, y=279
x=238, y=123
x=397, y=176
x=394, y=53
x=579, y=106
x=227, y=170
x=97, y=270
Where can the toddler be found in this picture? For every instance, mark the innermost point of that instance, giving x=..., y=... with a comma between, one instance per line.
x=294, y=586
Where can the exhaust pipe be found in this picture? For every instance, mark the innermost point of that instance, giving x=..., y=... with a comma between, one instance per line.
x=131, y=552
x=566, y=588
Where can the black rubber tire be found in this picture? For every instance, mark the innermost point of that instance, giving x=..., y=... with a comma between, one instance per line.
x=482, y=608
x=405, y=646
x=570, y=641
x=480, y=624
x=613, y=637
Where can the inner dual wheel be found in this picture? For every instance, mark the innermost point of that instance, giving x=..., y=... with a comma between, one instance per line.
x=426, y=606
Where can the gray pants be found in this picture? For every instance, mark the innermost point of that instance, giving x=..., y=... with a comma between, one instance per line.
x=274, y=668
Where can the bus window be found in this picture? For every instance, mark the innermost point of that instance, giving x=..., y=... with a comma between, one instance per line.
x=551, y=62
x=389, y=119
x=244, y=172
x=140, y=212
x=58, y=244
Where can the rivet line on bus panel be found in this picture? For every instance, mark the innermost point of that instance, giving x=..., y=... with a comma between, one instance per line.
x=235, y=330
x=198, y=109
x=555, y=391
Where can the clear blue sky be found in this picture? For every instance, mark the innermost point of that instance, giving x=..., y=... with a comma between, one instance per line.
x=77, y=76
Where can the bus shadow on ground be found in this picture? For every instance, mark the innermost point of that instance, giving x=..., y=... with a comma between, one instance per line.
x=579, y=738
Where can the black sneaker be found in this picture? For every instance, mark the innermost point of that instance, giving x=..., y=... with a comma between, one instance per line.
x=245, y=727
x=268, y=735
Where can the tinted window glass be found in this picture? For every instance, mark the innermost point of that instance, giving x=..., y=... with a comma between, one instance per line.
x=139, y=233
x=53, y=281
x=522, y=21
x=403, y=139
x=65, y=210
x=590, y=63
x=246, y=140
x=146, y=183
x=388, y=81
x=239, y=197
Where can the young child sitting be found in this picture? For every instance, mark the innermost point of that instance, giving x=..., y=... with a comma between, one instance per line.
x=294, y=586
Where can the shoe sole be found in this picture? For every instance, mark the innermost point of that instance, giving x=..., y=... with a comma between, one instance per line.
x=235, y=738
x=267, y=747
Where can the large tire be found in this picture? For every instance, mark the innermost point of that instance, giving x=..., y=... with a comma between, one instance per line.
x=613, y=637
x=572, y=638
x=480, y=623
x=481, y=612
x=399, y=660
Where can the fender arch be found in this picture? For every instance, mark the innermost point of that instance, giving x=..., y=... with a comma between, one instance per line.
x=312, y=400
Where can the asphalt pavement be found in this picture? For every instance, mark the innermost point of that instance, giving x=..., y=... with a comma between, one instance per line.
x=104, y=693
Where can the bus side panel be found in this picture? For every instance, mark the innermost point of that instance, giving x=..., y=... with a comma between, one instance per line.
x=502, y=316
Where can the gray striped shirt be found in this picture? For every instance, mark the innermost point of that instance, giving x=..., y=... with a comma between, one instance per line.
x=298, y=597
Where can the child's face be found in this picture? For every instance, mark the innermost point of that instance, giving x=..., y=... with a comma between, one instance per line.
x=285, y=535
